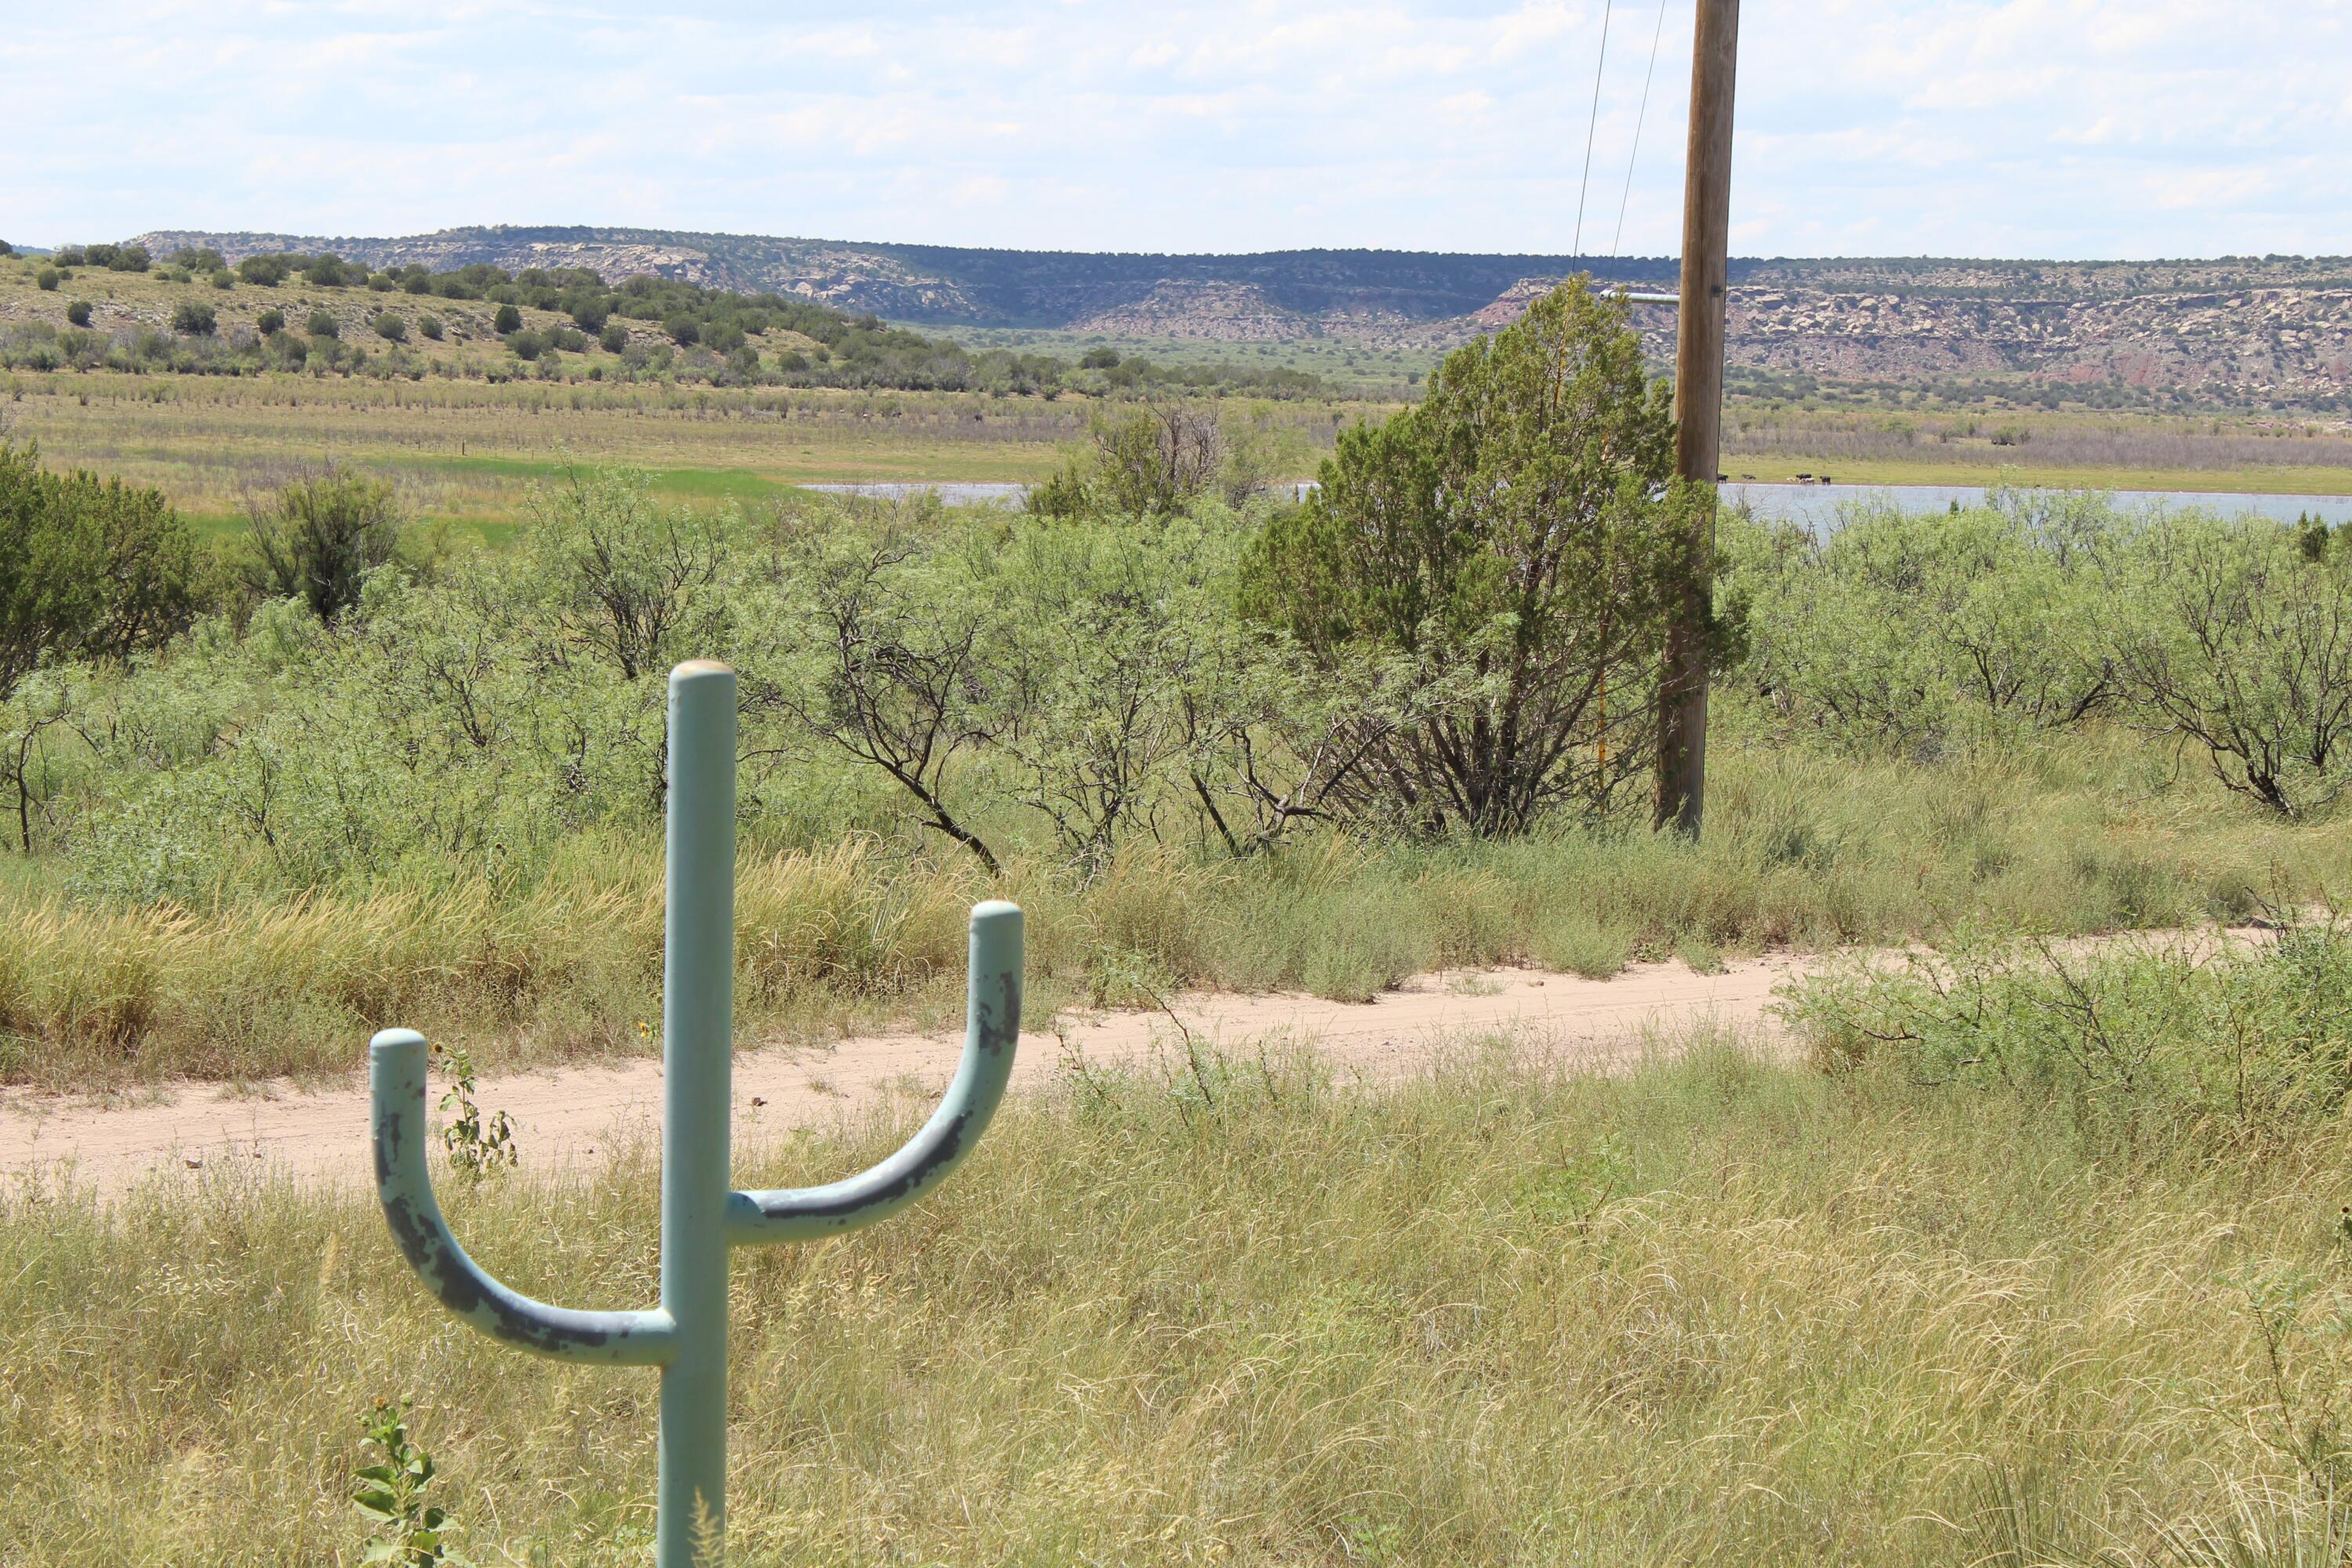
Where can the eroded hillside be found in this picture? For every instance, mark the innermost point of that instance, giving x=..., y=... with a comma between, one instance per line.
x=2237, y=330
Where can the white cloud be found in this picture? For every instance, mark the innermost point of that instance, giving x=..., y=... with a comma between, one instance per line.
x=2203, y=189
x=2054, y=127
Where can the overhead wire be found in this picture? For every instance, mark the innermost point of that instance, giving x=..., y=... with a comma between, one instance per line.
x=1576, y=254
x=1592, y=126
x=1617, y=240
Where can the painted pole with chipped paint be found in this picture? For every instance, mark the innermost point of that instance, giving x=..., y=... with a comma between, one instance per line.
x=686, y=1336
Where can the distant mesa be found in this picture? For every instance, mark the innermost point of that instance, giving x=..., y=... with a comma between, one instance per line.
x=2277, y=328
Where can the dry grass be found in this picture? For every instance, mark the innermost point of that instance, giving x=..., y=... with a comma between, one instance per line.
x=563, y=967
x=1802, y=853
x=1713, y=1312
x=2243, y=454
x=469, y=450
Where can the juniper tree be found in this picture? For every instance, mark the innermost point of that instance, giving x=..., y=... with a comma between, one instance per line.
x=1513, y=539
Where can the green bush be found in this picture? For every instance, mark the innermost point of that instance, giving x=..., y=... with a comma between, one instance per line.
x=430, y=326
x=79, y=312
x=629, y=582
x=507, y=320
x=1918, y=634
x=1929, y=634
x=270, y=320
x=46, y=277
x=1511, y=544
x=527, y=345
x=267, y=272
x=613, y=338
x=390, y=328
x=323, y=325
x=1146, y=462
x=223, y=278
x=2234, y=637
x=88, y=567
x=317, y=538
x=683, y=330
x=91, y=572
x=194, y=319
x=2144, y=1044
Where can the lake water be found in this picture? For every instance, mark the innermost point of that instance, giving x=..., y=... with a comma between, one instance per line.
x=1818, y=507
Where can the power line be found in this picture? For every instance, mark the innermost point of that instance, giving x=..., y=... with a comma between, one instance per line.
x=1660, y=31
x=1576, y=251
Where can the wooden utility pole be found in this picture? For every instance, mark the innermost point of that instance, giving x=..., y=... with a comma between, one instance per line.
x=1698, y=406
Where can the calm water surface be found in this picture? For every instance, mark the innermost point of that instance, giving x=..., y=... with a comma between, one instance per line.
x=1818, y=507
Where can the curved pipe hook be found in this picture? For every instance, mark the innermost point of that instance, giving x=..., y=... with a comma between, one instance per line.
x=992, y=1033
x=396, y=1061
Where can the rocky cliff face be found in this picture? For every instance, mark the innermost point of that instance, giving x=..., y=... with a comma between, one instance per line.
x=2247, y=345
x=2235, y=329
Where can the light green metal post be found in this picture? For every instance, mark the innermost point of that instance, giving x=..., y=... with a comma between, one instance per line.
x=687, y=1335
x=698, y=1077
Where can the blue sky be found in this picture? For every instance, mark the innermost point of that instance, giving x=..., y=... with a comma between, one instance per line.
x=2044, y=128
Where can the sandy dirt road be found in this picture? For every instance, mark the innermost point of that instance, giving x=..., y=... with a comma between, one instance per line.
x=570, y=1113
